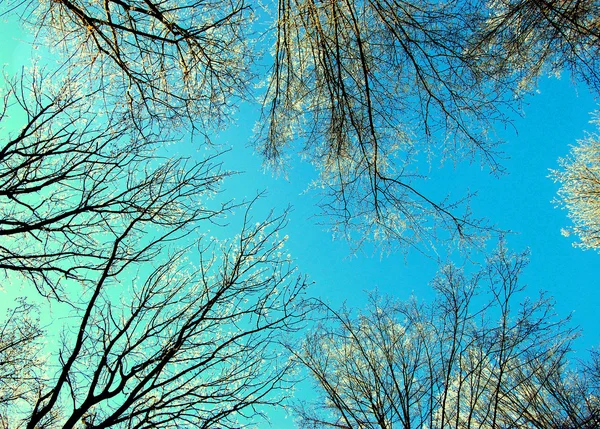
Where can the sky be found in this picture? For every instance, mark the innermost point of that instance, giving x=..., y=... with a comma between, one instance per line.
x=520, y=201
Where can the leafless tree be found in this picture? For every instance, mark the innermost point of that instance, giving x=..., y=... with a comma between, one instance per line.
x=579, y=176
x=21, y=362
x=473, y=358
x=373, y=93
x=372, y=89
x=377, y=82
x=556, y=394
x=530, y=37
x=164, y=326
x=169, y=64
x=190, y=341
x=72, y=181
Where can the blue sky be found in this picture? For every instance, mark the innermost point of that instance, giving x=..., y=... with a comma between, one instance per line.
x=519, y=201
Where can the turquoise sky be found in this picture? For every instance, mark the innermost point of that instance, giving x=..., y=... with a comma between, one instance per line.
x=520, y=201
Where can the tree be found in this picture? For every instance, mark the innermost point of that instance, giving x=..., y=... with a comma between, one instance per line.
x=183, y=343
x=579, y=177
x=75, y=181
x=370, y=92
x=164, y=326
x=188, y=342
x=470, y=359
x=369, y=86
x=96, y=217
x=528, y=38
x=20, y=361
x=169, y=64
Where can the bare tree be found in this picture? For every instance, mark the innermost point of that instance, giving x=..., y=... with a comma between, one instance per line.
x=21, y=362
x=370, y=92
x=72, y=181
x=167, y=63
x=579, y=176
x=369, y=87
x=470, y=359
x=190, y=341
x=377, y=82
x=530, y=37
x=557, y=394
x=166, y=326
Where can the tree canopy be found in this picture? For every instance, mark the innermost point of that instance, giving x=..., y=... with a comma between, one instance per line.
x=368, y=91
x=475, y=357
x=165, y=324
x=579, y=177
x=162, y=324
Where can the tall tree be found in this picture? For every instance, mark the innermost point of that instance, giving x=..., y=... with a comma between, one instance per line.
x=473, y=358
x=75, y=180
x=191, y=341
x=530, y=37
x=21, y=361
x=370, y=92
x=164, y=326
x=168, y=63
x=370, y=86
x=579, y=176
